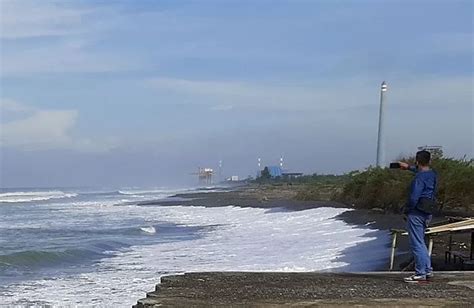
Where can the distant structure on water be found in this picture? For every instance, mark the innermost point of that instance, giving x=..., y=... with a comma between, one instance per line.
x=204, y=175
x=380, y=138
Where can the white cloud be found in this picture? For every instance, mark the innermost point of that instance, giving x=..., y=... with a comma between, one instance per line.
x=22, y=19
x=73, y=30
x=41, y=129
x=11, y=106
x=59, y=58
x=245, y=94
x=321, y=96
x=221, y=108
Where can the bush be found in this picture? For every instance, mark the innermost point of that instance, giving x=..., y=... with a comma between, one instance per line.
x=388, y=188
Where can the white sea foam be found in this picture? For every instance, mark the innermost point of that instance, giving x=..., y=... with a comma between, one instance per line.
x=150, y=191
x=149, y=229
x=235, y=239
x=28, y=196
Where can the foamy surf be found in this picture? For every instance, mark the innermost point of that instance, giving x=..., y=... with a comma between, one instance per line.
x=225, y=239
x=28, y=196
x=150, y=229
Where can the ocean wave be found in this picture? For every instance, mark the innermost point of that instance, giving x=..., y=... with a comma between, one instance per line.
x=36, y=258
x=29, y=196
x=150, y=229
x=142, y=192
x=46, y=258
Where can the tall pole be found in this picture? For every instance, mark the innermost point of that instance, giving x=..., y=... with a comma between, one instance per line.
x=259, y=166
x=380, y=141
x=220, y=171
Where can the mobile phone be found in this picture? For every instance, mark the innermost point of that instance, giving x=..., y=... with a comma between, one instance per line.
x=394, y=165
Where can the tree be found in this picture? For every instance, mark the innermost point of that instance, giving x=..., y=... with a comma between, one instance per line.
x=265, y=174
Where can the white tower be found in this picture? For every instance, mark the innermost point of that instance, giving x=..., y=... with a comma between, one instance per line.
x=281, y=162
x=220, y=170
x=259, y=167
x=380, y=141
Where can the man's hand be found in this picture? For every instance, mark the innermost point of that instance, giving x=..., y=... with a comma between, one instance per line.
x=403, y=166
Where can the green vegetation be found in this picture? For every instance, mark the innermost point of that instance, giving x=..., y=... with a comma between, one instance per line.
x=265, y=175
x=321, y=187
x=387, y=189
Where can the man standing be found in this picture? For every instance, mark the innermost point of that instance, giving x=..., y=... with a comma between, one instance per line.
x=419, y=208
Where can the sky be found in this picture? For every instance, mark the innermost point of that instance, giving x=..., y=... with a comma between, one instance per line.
x=142, y=93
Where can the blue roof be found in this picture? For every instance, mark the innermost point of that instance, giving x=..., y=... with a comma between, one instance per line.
x=274, y=171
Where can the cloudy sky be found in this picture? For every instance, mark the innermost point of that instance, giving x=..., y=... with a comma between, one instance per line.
x=134, y=93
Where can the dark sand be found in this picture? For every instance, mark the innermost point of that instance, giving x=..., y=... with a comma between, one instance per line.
x=224, y=289
x=241, y=289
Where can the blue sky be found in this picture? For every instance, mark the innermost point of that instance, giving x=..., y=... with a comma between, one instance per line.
x=144, y=92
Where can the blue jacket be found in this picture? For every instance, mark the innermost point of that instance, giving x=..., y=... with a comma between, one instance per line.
x=422, y=186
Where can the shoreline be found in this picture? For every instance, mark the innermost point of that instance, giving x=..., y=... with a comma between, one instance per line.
x=267, y=198
x=322, y=288
x=273, y=196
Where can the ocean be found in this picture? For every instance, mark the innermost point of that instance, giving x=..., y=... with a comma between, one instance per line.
x=100, y=247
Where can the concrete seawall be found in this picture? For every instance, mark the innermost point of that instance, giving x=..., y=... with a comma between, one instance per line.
x=276, y=289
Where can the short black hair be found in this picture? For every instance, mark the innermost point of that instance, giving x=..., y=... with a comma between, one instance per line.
x=423, y=157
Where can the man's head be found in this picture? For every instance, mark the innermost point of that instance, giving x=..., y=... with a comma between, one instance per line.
x=423, y=158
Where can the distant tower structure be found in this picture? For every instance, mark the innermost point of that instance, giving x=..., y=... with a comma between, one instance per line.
x=380, y=141
x=259, y=166
x=281, y=162
x=204, y=175
x=220, y=171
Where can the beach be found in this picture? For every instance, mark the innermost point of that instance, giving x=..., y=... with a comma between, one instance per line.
x=284, y=197
x=342, y=287
x=106, y=247
x=375, y=289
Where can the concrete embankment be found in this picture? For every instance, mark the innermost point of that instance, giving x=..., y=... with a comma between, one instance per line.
x=275, y=289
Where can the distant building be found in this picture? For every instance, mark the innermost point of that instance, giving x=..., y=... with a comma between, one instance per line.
x=275, y=171
x=292, y=175
x=278, y=172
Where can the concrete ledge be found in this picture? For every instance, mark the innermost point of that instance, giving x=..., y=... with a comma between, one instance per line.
x=271, y=289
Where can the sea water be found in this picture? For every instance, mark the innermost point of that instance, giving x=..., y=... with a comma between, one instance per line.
x=83, y=247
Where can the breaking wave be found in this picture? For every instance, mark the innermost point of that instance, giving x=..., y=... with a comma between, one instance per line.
x=37, y=258
x=28, y=196
x=150, y=229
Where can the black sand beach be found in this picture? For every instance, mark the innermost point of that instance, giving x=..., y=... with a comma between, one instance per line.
x=311, y=289
x=269, y=196
x=240, y=289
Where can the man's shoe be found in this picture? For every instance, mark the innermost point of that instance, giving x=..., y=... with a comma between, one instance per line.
x=415, y=278
x=429, y=275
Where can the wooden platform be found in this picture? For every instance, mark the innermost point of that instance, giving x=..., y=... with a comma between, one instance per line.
x=375, y=289
x=466, y=225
